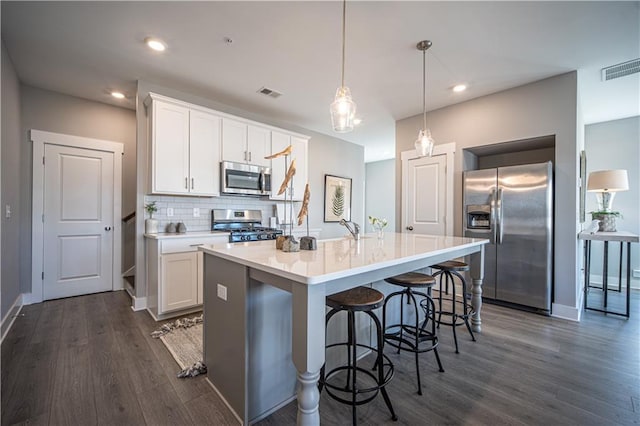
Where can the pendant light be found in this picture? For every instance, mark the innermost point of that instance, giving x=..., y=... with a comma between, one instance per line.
x=343, y=109
x=424, y=143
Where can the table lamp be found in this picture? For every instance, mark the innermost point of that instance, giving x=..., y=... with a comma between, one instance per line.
x=605, y=183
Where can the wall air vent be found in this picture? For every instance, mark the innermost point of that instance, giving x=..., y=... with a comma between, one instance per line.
x=620, y=70
x=269, y=92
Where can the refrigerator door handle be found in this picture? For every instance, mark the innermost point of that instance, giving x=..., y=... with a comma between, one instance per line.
x=492, y=213
x=500, y=216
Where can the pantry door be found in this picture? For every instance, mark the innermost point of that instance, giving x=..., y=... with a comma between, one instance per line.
x=79, y=220
x=427, y=192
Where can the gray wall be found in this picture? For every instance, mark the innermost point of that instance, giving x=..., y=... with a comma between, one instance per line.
x=546, y=107
x=10, y=158
x=380, y=192
x=327, y=155
x=55, y=112
x=616, y=145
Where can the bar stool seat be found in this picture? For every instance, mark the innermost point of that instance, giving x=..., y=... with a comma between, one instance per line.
x=412, y=337
x=448, y=270
x=362, y=385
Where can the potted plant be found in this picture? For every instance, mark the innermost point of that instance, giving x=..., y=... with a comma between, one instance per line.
x=607, y=220
x=151, y=224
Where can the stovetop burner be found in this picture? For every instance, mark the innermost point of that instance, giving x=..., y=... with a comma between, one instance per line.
x=243, y=225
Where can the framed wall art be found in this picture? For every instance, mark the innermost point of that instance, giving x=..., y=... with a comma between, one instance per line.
x=337, y=198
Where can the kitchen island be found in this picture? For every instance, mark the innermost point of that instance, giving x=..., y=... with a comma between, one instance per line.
x=258, y=300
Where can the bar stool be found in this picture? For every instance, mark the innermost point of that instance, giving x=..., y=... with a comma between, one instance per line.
x=448, y=270
x=359, y=299
x=416, y=338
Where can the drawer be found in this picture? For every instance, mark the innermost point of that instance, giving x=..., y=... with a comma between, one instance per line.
x=190, y=244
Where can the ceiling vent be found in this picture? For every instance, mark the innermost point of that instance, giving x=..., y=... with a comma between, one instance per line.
x=620, y=70
x=269, y=92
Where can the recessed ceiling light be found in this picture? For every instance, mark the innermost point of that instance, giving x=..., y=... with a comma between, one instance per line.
x=155, y=43
x=357, y=121
x=118, y=95
x=459, y=88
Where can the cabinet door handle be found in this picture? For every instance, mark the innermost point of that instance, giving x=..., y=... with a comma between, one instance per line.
x=245, y=156
x=196, y=245
x=192, y=183
x=249, y=156
x=186, y=183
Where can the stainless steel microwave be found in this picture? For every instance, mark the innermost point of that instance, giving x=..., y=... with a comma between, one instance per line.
x=244, y=179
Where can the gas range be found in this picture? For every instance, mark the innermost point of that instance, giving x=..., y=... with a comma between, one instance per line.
x=242, y=225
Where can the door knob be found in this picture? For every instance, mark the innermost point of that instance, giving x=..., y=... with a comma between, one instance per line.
x=409, y=228
x=107, y=228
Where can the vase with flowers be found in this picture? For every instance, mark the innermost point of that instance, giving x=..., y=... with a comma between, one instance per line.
x=378, y=225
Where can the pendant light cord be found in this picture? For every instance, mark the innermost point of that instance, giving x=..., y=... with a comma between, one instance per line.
x=344, y=25
x=424, y=88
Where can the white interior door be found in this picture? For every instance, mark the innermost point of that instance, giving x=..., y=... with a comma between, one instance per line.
x=427, y=192
x=78, y=221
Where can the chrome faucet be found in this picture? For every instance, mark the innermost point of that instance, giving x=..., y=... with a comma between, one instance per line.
x=352, y=227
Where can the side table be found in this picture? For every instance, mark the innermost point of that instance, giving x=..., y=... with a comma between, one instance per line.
x=621, y=237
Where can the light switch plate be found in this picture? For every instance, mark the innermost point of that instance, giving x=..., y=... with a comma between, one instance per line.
x=222, y=292
x=636, y=273
x=196, y=212
x=169, y=211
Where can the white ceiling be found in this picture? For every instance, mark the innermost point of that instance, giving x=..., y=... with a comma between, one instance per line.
x=86, y=49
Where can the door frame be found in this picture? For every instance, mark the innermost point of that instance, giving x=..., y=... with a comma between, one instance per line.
x=39, y=138
x=447, y=149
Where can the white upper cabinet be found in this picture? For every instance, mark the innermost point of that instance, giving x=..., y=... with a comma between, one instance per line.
x=185, y=149
x=279, y=141
x=245, y=143
x=258, y=145
x=204, y=153
x=234, y=141
x=169, y=148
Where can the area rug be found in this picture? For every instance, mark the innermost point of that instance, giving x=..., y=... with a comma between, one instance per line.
x=183, y=339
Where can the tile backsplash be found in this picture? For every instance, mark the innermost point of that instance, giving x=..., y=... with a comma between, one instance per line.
x=183, y=209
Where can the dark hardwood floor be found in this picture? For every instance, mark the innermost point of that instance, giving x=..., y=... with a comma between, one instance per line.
x=90, y=360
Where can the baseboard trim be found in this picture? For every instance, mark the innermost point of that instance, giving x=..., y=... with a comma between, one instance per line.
x=138, y=303
x=30, y=299
x=10, y=317
x=570, y=313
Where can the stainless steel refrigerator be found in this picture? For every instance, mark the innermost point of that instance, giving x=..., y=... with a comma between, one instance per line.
x=513, y=207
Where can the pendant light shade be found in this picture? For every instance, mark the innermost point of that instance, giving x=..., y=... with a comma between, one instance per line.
x=424, y=143
x=343, y=109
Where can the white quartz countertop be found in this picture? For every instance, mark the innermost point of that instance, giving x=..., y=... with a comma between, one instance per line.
x=196, y=234
x=338, y=258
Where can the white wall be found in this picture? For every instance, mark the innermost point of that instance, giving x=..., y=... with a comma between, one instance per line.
x=380, y=192
x=546, y=107
x=10, y=171
x=616, y=145
x=59, y=113
x=327, y=155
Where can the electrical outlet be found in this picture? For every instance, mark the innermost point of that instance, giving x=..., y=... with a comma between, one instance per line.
x=7, y=211
x=222, y=292
x=636, y=273
x=196, y=212
x=169, y=211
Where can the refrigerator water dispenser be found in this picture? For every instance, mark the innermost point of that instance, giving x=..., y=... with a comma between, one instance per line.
x=479, y=217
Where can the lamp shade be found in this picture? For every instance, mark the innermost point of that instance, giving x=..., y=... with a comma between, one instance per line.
x=608, y=181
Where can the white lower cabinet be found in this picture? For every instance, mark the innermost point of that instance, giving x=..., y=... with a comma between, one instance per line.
x=175, y=274
x=182, y=281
